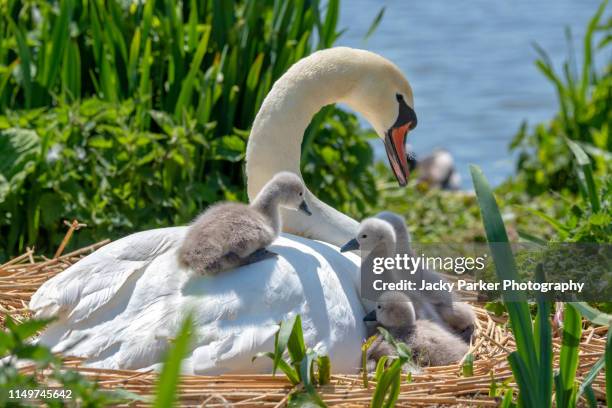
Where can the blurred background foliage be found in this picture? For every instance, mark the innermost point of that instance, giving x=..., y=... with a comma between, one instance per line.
x=135, y=115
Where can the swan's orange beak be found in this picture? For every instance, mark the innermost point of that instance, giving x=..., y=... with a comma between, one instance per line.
x=395, y=145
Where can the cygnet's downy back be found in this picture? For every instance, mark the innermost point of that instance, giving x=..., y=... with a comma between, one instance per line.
x=228, y=235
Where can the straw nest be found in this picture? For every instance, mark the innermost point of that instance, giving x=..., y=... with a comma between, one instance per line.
x=20, y=277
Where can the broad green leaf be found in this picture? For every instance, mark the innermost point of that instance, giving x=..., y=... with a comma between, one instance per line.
x=568, y=360
x=282, y=339
x=591, y=314
x=505, y=267
x=19, y=152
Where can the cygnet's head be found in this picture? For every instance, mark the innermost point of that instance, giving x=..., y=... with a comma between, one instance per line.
x=288, y=190
x=393, y=311
x=397, y=222
x=373, y=232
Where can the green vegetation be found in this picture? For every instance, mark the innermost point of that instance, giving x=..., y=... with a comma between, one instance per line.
x=137, y=117
x=585, y=115
x=15, y=347
x=388, y=377
x=304, y=367
x=532, y=361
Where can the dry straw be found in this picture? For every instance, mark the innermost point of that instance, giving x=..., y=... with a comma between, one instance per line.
x=20, y=277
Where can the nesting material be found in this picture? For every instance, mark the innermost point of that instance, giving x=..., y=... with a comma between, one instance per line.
x=492, y=341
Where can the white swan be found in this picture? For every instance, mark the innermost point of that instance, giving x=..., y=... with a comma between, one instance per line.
x=120, y=306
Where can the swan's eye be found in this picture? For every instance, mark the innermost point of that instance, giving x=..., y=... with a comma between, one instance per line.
x=399, y=97
x=379, y=307
x=364, y=236
x=301, y=194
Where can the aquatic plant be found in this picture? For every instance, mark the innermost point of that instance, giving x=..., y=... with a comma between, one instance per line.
x=584, y=95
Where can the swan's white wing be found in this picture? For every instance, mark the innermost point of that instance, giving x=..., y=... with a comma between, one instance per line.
x=89, y=284
x=237, y=312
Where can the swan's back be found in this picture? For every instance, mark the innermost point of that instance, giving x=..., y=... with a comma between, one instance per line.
x=120, y=306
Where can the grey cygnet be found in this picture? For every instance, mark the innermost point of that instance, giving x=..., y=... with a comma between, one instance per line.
x=430, y=343
x=458, y=316
x=228, y=235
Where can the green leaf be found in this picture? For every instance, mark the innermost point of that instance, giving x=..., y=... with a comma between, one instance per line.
x=375, y=23
x=528, y=393
x=507, y=400
x=568, y=360
x=188, y=83
x=591, y=314
x=19, y=151
x=25, y=60
x=467, y=368
x=380, y=367
x=167, y=384
x=28, y=328
x=54, y=51
x=295, y=345
x=282, y=339
x=324, y=365
x=543, y=336
x=584, y=164
x=289, y=371
x=505, y=267
x=591, y=375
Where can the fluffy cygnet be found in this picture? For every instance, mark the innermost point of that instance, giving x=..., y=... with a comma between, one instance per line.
x=431, y=345
x=376, y=238
x=457, y=315
x=228, y=235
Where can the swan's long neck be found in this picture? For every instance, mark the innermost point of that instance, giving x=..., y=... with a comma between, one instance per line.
x=276, y=139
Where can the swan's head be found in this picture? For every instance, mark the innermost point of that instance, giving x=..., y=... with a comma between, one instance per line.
x=289, y=190
x=372, y=233
x=383, y=95
x=393, y=311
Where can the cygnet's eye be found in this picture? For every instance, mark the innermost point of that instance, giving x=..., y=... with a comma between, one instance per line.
x=301, y=194
x=364, y=236
x=379, y=307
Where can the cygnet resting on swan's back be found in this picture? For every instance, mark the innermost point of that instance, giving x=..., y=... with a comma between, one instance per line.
x=120, y=306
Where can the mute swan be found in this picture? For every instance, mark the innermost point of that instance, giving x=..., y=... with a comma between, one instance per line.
x=228, y=235
x=119, y=306
x=430, y=343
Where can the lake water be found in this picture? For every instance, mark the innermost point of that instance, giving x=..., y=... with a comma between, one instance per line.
x=471, y=67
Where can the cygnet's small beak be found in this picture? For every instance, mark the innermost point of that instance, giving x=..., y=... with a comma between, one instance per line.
x=370, y=317
x=352, y=245
x=304, y=208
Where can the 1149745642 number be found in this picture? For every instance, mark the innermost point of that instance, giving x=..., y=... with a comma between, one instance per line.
x=33, y=394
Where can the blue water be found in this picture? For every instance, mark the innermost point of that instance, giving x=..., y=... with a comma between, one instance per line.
x=471, y=67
